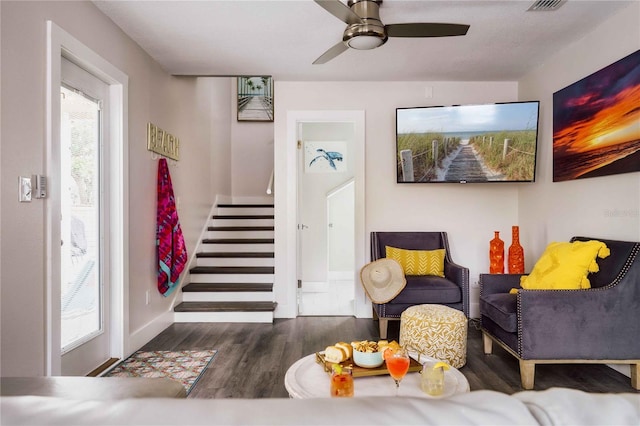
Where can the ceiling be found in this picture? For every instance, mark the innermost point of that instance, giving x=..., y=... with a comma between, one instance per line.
x=283, y=38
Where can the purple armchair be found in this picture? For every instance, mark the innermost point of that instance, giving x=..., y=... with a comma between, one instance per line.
x=451, y=290
x=596, y=325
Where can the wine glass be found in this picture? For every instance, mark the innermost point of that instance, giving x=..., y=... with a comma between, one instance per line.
x=398, y=365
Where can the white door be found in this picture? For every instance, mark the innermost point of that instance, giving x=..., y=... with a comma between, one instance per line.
x=84, y=221
x=326, y=218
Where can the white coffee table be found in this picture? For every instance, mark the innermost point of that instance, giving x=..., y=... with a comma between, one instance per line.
x=307, y=379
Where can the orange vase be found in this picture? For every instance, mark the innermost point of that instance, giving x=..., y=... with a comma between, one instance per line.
x=496, y=255
x=516, y=252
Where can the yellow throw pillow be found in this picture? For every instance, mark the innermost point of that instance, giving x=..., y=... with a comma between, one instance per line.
x=418, y=262
x=565, y=266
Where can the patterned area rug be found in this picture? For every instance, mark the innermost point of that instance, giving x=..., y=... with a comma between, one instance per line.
x=185, y=367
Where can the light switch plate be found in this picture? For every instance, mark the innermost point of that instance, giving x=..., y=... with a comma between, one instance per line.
x=24, y=189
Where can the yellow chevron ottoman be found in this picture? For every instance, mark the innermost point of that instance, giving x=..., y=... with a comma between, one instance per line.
x=437, y=331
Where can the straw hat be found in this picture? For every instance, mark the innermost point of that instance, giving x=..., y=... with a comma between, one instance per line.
x=382, y=279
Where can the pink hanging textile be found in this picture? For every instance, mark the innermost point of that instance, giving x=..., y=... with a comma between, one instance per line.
x=172, y=252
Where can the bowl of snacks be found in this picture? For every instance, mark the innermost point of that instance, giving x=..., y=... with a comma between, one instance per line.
x=366, y=354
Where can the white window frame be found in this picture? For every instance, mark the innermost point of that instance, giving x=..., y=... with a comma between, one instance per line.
x=59, y=44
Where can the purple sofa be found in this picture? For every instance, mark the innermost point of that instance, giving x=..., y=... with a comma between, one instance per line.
x=596, y=325
x=451, y=290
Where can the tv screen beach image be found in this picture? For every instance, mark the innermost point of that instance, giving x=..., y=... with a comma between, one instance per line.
x=467, y=143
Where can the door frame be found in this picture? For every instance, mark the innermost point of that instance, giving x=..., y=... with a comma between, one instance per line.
x=59, y=44
x=286, y=203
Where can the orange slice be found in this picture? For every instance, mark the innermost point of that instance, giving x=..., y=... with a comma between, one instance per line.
x=387, y=353
x=442, y=365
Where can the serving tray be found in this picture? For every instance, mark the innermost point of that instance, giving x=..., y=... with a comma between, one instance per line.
x=362, y=371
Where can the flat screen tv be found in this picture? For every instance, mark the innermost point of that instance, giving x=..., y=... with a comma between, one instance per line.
x=467, y=143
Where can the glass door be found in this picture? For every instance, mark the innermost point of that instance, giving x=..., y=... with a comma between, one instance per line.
x=83, y=285
x=81, y=294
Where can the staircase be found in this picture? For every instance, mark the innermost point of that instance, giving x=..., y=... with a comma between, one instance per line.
x=233, y=277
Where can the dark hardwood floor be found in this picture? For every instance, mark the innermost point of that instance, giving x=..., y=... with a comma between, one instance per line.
x=252, y=359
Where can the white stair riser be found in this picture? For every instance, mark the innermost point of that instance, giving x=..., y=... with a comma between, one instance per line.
x=239, y=234
x=236, y=248
x=253, y=317
x=244, y=211
x=241, y=296
x=241, y=222
x=232, y=278
x=234, y=261
x=233, y=296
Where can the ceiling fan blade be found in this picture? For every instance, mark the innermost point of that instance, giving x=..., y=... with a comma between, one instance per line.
x=331, y=53
x=340, y=11
x=433, y=29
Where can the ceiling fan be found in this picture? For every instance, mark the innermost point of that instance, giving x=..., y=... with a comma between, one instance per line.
x=365, y=30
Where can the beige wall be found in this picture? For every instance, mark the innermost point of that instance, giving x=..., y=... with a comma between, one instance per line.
x=251, y=154
x=468, y=213
x=202, y=114
x=221, y=116
x=181, y=106
x=606, y=207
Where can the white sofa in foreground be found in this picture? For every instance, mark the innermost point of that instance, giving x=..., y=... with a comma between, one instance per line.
x=556, y=406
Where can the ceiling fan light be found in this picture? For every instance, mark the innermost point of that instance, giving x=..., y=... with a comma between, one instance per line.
x=365, y=42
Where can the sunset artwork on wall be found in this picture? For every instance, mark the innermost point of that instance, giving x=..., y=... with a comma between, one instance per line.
x=596, y=123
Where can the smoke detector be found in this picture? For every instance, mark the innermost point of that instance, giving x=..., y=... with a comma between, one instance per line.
x=546, y=5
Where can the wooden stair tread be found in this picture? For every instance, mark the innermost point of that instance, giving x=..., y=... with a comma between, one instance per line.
x=226, y=307
x=214, y=311
x=240, y=228
x=232, y=270
x=238, y=241
x=231, y=254
x=236, y=216
x=227, y=287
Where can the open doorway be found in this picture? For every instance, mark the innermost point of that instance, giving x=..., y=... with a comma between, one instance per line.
x=326, y=218
x=286, y=207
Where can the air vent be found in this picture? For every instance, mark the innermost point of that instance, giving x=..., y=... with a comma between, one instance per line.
x=546, y=5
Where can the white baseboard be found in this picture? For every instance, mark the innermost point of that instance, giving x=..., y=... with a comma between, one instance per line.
x=144, y=334
x=364, y=310
x=213, y=317
x=286, y=310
